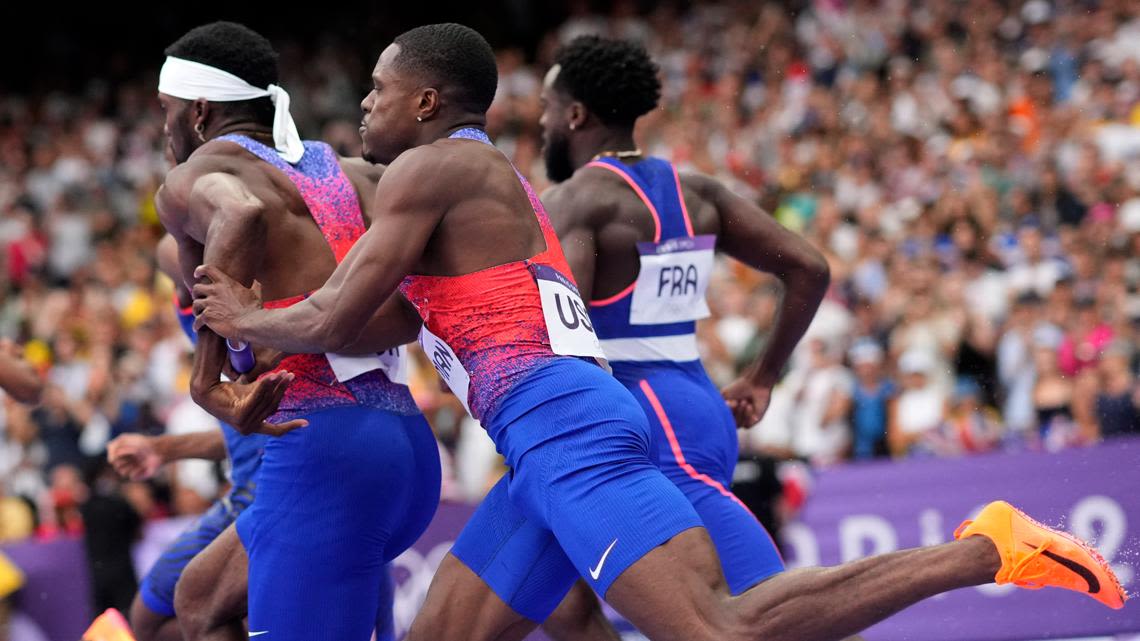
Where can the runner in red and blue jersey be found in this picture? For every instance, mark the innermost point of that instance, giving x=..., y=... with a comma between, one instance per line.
x=209, y=597
x=358, y=483
x=457, y=229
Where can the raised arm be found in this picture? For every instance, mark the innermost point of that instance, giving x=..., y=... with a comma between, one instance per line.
x=408, y=208
x=219, y=207
x=751, y=236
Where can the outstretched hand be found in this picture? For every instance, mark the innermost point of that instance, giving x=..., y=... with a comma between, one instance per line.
x=134, y=456
x=747, y=400
x=220, y=302
x=246, y=406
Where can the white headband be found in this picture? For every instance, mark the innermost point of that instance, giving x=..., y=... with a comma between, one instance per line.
x=190, y=80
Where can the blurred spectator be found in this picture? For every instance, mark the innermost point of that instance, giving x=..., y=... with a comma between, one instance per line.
x=971, y=426
x=1053, y=400
x=1117, y=401
x=112, y=526
x=918, y=412
x=871, y=395
x=1088, y=335
x=970, y=170
x=820, y=429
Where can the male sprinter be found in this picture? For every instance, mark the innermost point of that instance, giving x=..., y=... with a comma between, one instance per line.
x=641, y=241
x=210, y=600
x=249, y=194
x=469, y=244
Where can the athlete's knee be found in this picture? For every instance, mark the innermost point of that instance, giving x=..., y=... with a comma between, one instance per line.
x=144, y=622
x=579, y=618
x=192, y=600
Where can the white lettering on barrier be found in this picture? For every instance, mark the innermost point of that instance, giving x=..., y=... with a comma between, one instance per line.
x=1098, y=519
x=930, y=525
x=856, y=530
x=801, y=540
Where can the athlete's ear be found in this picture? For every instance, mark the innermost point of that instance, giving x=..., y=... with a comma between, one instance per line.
x=429, y=103
x=576, y=115
x=199, y=113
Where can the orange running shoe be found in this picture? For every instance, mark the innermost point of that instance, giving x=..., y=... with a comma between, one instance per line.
x=1034, y=556
x=109, y=626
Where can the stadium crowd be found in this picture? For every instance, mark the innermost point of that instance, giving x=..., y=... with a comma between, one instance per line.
x=970, y=169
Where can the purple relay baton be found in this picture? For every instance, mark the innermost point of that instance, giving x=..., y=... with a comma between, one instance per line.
x=241, y=356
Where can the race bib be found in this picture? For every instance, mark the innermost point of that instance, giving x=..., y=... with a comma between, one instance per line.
x=393, y=363
x=673, y=280
x=446, y=362
x=567, y=321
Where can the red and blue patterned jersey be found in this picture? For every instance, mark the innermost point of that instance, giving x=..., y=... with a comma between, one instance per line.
x=491, y=319
x=335, y=206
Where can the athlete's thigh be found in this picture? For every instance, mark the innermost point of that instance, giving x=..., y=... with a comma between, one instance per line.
x=157, y=589
x=420, y=490
x=329, y=499
x=676, y=592
x=601, y=495
x=696, y=436
x=747, y=553
x=514, y=556
x=693, y=430
x=460, y=606
x=212, y=590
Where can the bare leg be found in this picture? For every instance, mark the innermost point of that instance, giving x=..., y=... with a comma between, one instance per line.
x=211, y=595
x=149, y=625
x=461, y=607
x=816, y=604
x=580, y=618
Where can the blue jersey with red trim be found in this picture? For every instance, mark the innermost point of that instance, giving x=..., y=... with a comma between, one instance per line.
x=652, y=322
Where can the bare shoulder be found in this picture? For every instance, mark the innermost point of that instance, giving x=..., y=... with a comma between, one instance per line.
x=592, y=196
x=438, y=171
x=174, y=194
x=360, y=171
x=703, y=185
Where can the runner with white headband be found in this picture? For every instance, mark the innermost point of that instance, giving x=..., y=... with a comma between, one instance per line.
x=191, y=80
x=246, y=191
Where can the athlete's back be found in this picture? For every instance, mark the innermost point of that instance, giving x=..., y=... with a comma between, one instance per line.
x=289, y=230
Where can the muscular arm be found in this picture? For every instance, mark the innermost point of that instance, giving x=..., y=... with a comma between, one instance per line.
x=235, y=226
x=138, y=457
x=166, y=255
x=334, y=317
x=751, y=236
x=209, y=445
x=575, y=223
x=219, y=208
x=394, y=324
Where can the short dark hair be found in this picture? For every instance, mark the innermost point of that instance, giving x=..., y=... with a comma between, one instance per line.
x=231, y=47
x=615, y=79
x=235, y=48
x=455, y=56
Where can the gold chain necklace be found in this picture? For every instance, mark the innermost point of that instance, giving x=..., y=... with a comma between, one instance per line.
x=620, y=155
